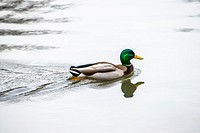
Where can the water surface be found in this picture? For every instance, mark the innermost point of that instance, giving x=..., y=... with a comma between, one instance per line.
x=39, y=40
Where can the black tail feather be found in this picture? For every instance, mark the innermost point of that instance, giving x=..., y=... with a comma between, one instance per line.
x=74, y=72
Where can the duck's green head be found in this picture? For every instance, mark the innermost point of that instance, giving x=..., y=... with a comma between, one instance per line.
x=126, y=55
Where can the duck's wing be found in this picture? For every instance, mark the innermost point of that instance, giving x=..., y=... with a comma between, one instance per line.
x=90, y=69
x=103, y=67
x=123, y=68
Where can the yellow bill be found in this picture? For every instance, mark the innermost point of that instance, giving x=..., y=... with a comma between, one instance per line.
x=138, y=57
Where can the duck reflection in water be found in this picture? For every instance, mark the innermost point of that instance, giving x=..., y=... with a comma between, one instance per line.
x=129, y=88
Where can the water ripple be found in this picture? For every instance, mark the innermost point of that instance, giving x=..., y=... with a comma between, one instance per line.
x=4, y=47
x=10, y=19
x=187, y=30
x=6, y=32
x=192, y=0
x=17, y=80
x=22, y=5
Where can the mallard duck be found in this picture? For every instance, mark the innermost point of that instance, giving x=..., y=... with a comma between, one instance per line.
x=106, y=70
